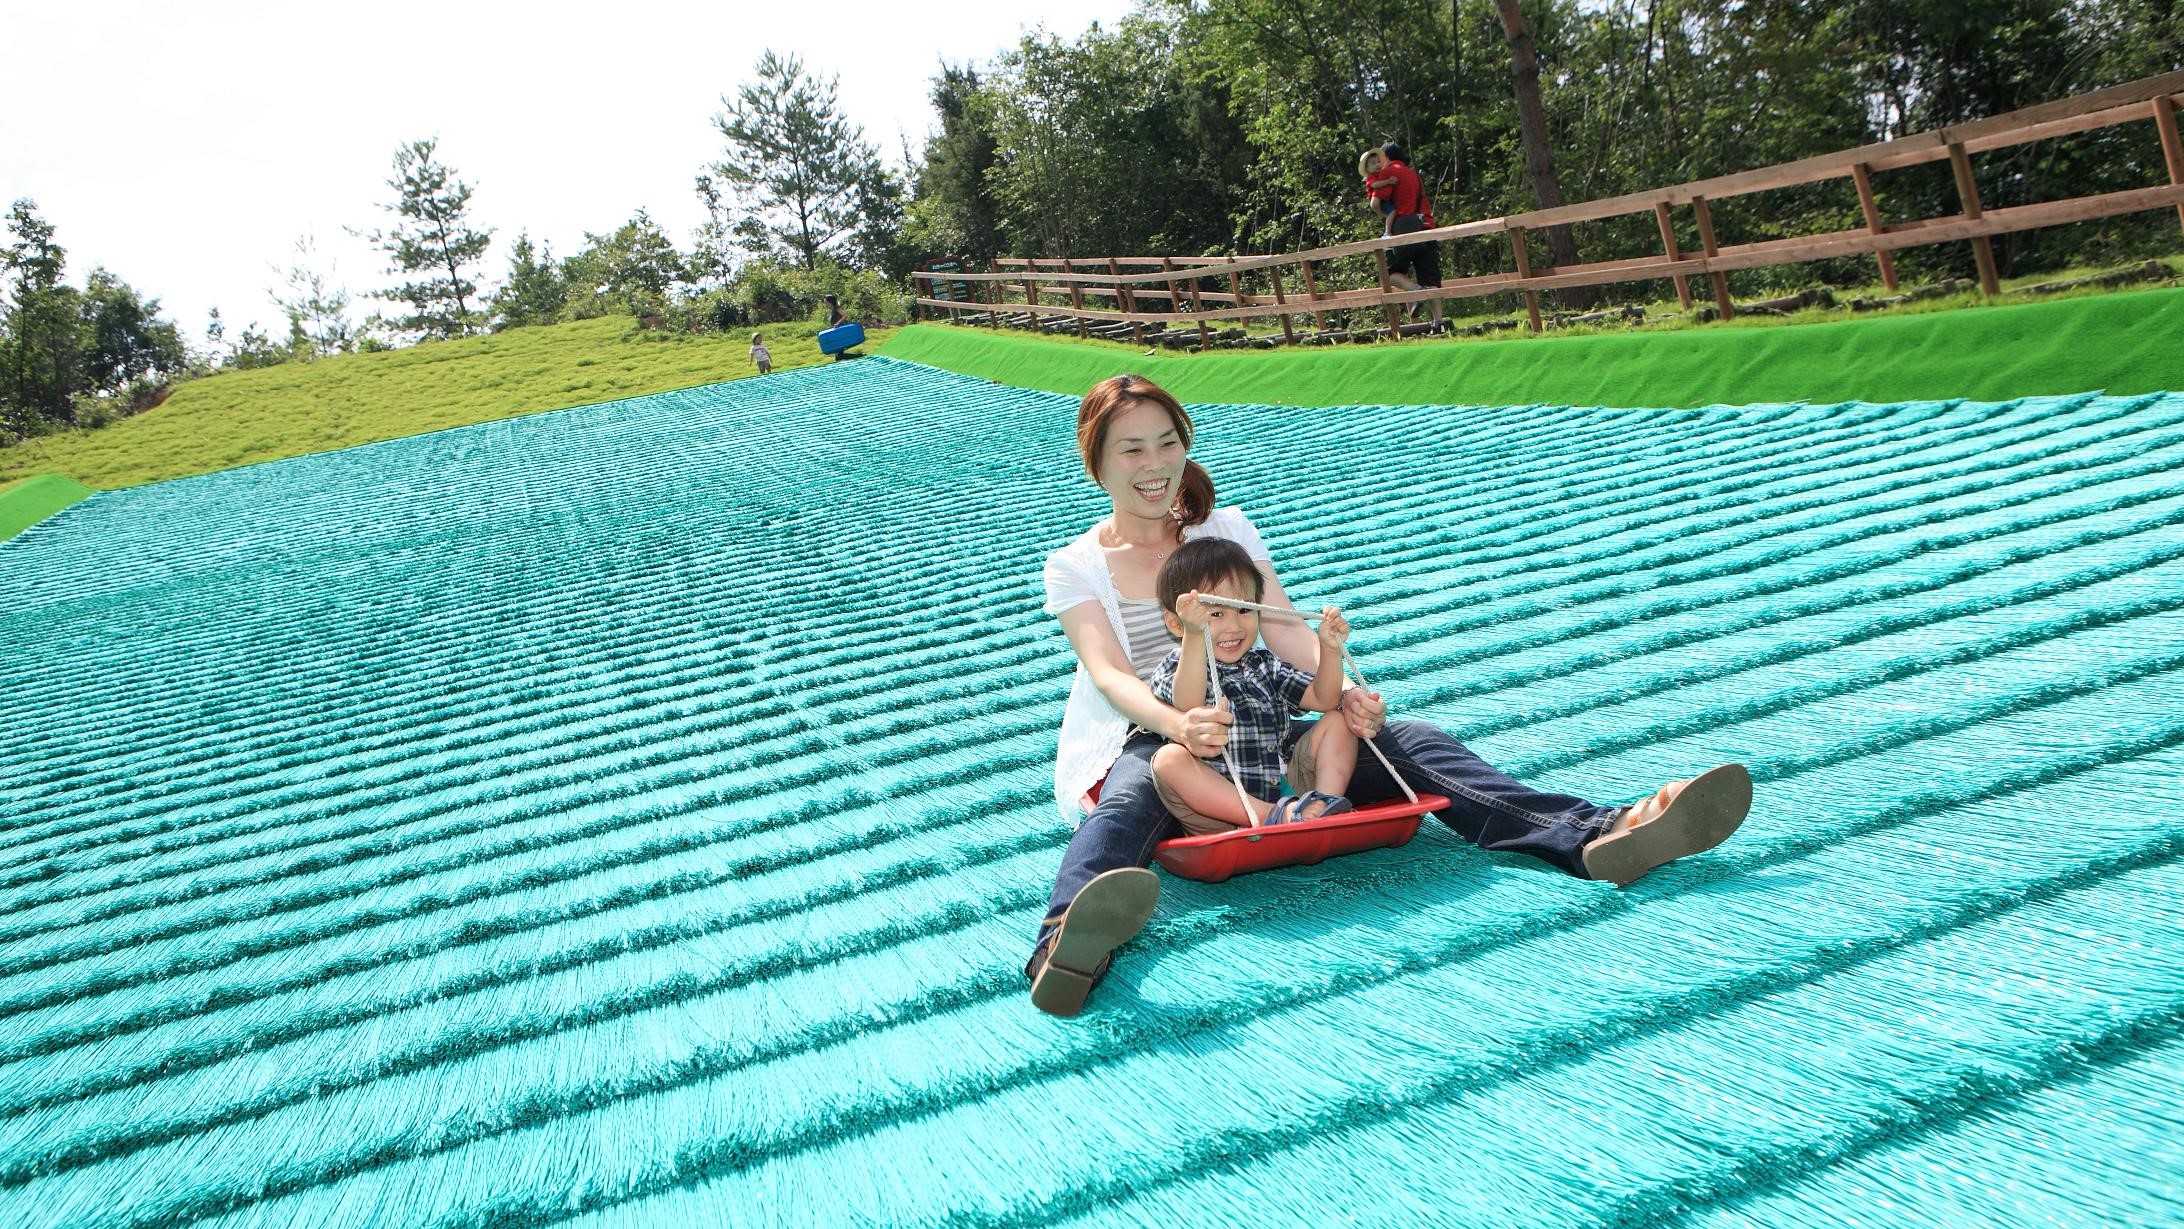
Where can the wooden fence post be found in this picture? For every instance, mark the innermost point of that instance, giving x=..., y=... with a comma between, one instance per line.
x=1968, y=193
x=1031, y=295
x=1311, y=292
x=1712, y=249
x=1863, y=177
x=1668, y=245
x=1198, y=308
x=1236, y=291
x=2172, y=148
x=1076, y=294
x=993, y=314
x=1274, y=274
x=1126, y=299
x=1175, y=297
x=1395, y=316
x=1524, y=270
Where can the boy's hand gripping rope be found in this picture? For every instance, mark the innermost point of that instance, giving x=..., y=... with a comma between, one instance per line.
x=1215, y=695
x=1349, y=669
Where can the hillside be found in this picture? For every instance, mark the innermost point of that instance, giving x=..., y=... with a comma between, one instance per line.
x=244, y=417
x=2122, y=342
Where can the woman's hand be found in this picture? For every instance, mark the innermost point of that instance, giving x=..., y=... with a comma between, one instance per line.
x=1206, y=730
x=1364, y=712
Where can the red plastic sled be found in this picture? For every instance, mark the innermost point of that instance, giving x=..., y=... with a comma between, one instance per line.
x=1225, y=854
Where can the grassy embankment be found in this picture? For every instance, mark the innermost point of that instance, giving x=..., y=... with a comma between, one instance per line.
x=241, y=417
x=2123, y=342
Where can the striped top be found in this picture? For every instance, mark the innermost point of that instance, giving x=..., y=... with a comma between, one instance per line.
x=1145, y=634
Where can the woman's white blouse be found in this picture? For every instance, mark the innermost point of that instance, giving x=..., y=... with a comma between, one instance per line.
x=1092, y=730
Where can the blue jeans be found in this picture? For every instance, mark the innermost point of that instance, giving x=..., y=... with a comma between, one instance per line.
x=1486, y=807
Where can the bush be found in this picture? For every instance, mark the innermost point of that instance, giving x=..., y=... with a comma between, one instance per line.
x=764, y=292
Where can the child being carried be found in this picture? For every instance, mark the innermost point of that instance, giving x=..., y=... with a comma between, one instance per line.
x=1261, y=690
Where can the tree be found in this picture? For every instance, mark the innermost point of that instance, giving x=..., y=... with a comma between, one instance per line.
x=253, y=350
x=534, y=291
x=712, y=256
x=1539, y=158
x=317, y=309
x=1112, y=143
x=433, y=239
x=1311, y=83
x=39, y=370
x=808, y=173
x=123, y=340
x=629, y=272
x=954, y=212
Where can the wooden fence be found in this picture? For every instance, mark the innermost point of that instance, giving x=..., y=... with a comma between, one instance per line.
x=1174, y=285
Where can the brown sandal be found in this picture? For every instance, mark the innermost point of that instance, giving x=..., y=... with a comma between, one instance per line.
x=1106, y=914
x=1700, y=816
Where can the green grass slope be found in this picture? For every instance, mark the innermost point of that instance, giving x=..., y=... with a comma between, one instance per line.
x=2123, y=343
x=25, y=503
x=242, y=417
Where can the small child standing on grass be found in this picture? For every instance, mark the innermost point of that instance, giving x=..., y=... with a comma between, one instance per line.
x=760, y=355
x=1263, y=692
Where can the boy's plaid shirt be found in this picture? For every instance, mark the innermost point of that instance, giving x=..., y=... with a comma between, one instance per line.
x=1264, y=692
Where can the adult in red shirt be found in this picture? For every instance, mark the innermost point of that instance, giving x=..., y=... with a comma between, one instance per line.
x=1416, y=265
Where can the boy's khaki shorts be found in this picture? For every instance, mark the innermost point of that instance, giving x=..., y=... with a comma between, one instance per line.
x=1303, y=770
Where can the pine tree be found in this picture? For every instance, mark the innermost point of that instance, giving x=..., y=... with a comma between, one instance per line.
x=39, y=334
x=316, y=306
x=808, y=171
x=434, y=240
x=534, y=290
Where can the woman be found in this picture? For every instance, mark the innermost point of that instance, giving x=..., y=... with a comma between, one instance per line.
x=1135, y=442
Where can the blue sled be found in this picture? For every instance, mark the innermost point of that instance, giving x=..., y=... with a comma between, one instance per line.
x=841, y=337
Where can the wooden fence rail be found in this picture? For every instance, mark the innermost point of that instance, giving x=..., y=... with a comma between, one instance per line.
x=1173, y=284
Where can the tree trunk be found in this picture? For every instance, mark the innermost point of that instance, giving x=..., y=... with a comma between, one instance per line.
x=1456, y=95
x=1539, y=161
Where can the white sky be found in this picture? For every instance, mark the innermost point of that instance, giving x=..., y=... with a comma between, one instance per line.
x=185, y=146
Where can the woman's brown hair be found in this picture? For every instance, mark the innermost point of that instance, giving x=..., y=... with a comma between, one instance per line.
x=1113, y=396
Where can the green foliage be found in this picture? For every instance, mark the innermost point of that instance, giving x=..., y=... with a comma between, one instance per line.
x=1202, y=126
x=433, y=241
x=1104, y=146
x=629, y=272
x=317, y=309
x=66, y=352
x=123, y=339
x=953, y=212
x=534, y=290
x=772, y=292
x=254, y=349
x=812, y=182
x=40, y=336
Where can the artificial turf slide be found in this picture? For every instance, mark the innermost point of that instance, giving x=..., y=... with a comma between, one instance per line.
x=2123, y=343
x=637, y=815
x=25, y=503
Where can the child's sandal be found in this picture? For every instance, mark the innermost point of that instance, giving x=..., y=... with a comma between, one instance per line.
x=1291, y=810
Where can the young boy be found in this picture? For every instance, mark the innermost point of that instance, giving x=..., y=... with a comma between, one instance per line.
x=760, y=355
x=1263, y=692
x=1372, y=166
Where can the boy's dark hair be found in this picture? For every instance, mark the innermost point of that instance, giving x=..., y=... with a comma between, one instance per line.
x=1203, y=563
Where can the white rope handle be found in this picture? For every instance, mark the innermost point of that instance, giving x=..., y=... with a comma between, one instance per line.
x=1213, y=696
x=1349, y=667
